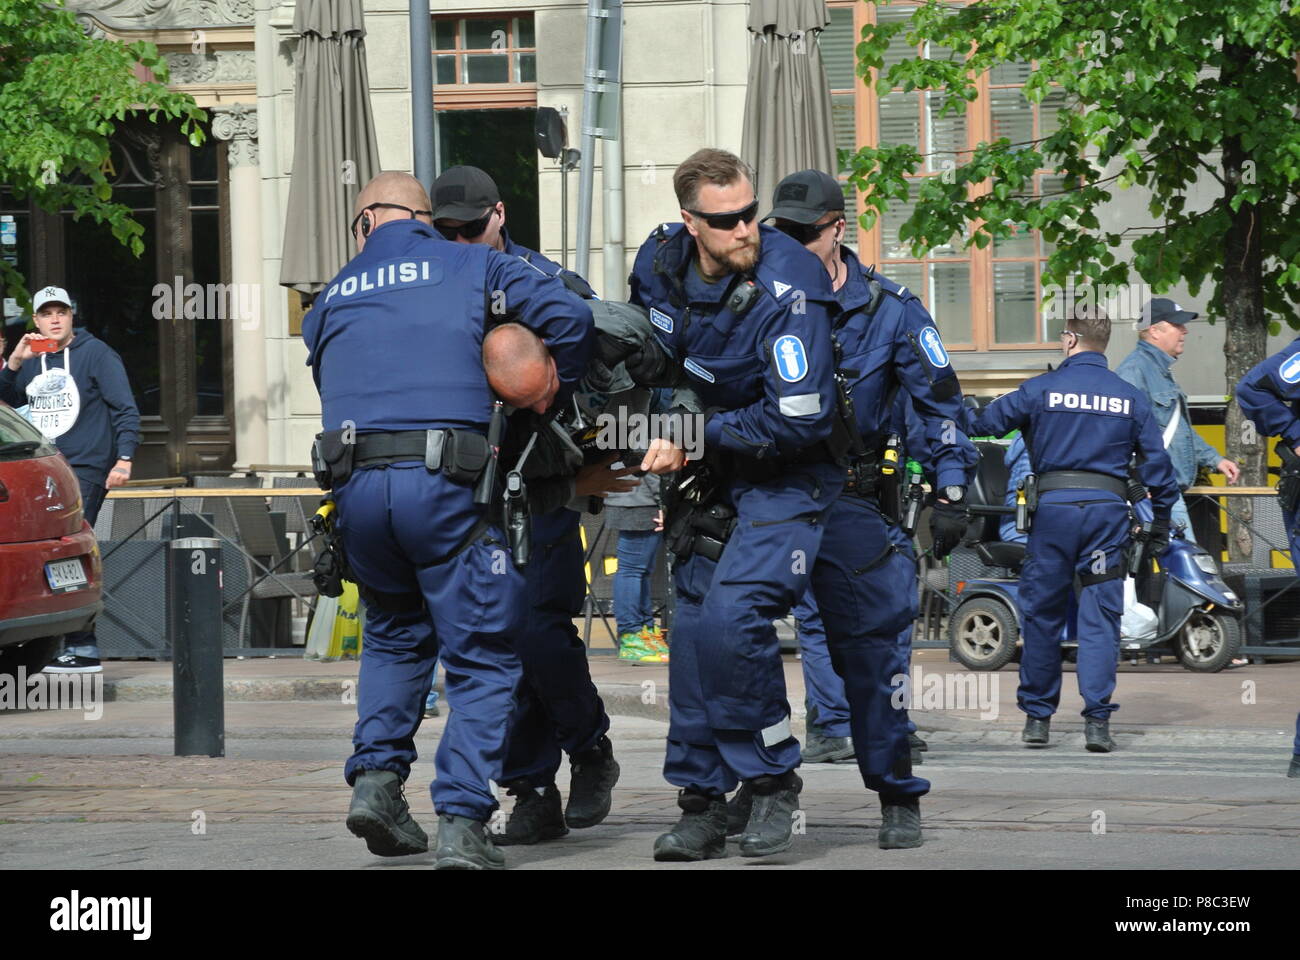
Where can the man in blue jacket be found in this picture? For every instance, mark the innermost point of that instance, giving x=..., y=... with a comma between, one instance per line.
x=1082, y=425
x=745, y=311
x=80, y=398
x=1269, y=395
x=395, y=343
x=1162, y=333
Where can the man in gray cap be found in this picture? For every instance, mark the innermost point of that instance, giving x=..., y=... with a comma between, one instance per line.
x=1162, y=331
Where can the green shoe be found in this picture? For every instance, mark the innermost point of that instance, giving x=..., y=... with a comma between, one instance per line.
x=632, y=648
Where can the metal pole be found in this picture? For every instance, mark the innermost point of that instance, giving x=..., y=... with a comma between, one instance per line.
x=194, y=630
x=423, y=137
x=564, y=212
x=587, y=169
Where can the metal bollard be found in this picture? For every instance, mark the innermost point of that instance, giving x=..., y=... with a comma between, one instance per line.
x=194, y=631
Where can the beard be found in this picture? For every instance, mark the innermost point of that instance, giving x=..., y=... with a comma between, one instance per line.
x=736, y=257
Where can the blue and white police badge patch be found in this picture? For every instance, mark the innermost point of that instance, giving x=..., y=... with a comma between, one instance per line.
x=1289, y=371
x=932, y=344
x=791, y=358
x=661, y=320
x=693, y=367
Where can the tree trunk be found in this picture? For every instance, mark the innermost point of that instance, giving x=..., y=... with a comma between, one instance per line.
x=1246, y=337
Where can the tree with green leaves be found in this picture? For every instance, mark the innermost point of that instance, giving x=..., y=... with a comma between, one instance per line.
x=1168, y=95
x=61, y=92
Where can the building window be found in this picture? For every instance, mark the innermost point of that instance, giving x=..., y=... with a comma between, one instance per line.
x=484, y=57
x=981, y=299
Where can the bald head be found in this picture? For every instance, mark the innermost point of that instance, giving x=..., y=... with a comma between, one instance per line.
x=519, y=367
x=406, y=195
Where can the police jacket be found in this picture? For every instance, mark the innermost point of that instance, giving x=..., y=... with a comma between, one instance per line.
x=548, y=266
x=887, y=341
x=395, y=341
x=1081, y=416
x=1269, y=395
x=764, y=374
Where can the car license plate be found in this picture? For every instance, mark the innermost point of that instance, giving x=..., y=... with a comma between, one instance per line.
x=65, y=575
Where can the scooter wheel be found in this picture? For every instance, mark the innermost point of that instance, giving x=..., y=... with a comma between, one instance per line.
x=1208, y=642
x=982, y=633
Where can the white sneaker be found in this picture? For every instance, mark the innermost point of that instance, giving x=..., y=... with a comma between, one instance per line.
x=71, y=663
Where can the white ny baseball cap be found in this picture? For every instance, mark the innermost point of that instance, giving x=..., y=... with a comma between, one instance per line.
x=50, y=295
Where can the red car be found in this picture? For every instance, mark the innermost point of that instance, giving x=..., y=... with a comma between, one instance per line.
x=50, y=571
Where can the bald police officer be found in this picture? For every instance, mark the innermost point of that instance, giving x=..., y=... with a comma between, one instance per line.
x=394, y=343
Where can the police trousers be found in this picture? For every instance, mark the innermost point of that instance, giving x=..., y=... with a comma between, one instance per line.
x=1081, y=532
x=396, y=524
x=557, y=707
x=729, y=719
x=865, y=585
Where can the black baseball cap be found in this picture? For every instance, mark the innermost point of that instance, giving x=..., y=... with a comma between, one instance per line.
x=463, y=193
x=1162, y=308
x=805, y=197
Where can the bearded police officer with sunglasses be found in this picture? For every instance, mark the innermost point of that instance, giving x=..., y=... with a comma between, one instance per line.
x=745, y=311
x=395, y=346
x=896, y=379
x=1082, y=425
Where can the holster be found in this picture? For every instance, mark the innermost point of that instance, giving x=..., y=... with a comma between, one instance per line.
x=1026, y=502
x=464, y=455
x=1288, y=484
x=331, y=459
x=713, y=527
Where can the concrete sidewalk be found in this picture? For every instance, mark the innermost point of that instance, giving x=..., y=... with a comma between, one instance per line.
x=1155, y=699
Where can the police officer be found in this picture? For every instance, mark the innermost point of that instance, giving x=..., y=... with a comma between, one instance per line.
x=1081, y=424
x=1269, y=395
x=394, y=343
x=558, y=707
x=745, y=311
x=893, y=373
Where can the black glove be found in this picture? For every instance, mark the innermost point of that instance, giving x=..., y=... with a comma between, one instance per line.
x=1157, y=539
x=650, y=366
x=948, y=523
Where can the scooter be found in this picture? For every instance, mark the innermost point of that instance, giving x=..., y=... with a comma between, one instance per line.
x=1198, y=618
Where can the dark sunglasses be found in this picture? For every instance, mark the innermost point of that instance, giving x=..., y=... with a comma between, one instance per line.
x=805, y=233
x=390, y=206
x=727, y=221
x=468, y=230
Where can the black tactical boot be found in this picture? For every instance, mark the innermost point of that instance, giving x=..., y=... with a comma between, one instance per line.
x=900, y=824
x=819, y=748
x=771, y=822
x=1096, y=735
x=1294, y=769
x=738, y=809
x=701, y=833
x=463, y=844
x=380, y=816
x=536, y=817
x=1036, y=731
x=593, y=774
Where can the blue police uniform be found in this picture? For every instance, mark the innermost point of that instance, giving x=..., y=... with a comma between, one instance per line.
x=865, y=577
x=764, y=375
x=395, y=344
x=557, y=706
x=824, y=687
x=1079, y=417
x=1269, y=395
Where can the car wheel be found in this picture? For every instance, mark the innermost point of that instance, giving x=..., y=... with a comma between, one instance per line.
x=1208, y=642
x=32, y=656
x=982, y=634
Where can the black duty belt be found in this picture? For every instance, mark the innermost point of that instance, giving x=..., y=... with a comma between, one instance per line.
x=395, y=447
x=1082, y=480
